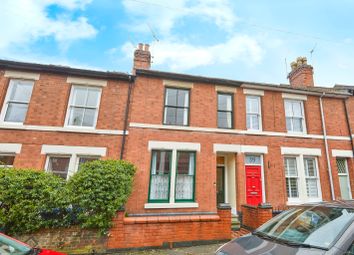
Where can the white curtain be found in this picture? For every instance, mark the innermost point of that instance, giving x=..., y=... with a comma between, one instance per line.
x=185, y=182
x=159, y=180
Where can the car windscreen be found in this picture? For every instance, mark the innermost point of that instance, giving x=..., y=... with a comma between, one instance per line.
x=317, y=226
x=12, y=247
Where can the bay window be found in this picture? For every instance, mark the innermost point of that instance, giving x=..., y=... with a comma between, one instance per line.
x=16, y=101
x=294, y=114
x=176, y=110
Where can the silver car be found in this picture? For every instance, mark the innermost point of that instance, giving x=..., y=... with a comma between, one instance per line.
x=323, y=228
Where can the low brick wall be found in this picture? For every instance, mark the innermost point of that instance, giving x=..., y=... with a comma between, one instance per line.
x=73, y=240
x=134, y=232
x=255, y=216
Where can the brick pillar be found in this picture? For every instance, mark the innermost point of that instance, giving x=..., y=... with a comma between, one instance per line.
x=255, y=216
x=224, y=212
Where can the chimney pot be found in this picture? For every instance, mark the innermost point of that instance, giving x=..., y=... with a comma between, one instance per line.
x=142, y=57
x=301, y=73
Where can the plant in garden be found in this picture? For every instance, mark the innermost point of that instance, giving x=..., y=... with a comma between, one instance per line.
x=99, y=189
x=24, y=194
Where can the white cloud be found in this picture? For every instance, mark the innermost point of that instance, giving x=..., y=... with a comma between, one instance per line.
x=162, y=15
x=24, y=21
x=180, y=56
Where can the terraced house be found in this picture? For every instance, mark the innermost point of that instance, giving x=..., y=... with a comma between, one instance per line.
x=198, y=142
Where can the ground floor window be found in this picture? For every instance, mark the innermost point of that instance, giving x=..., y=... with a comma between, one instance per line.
x=7, y=160
x=66, y=165
x=344, y=180
x=172, y=177
x=302, y=178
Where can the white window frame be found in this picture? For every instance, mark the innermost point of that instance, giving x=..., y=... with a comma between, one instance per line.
x=303, y=198
x=346, y=174
x=6, y=103
x=57, y=156
x=303, y=121
x=174, y=147
x=74, y=152
x=7, y=154
x=252, y=113
x=66, y=123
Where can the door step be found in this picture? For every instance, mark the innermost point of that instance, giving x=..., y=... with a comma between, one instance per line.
x=235, y=222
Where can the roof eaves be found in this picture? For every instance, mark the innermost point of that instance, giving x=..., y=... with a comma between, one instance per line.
x=65, y=70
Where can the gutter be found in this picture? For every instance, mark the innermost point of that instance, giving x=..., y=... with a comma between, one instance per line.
x=348, y=123
x=326, y=145
x=126, y=115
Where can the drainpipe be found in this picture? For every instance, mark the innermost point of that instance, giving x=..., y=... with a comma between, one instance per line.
x=348, y=123
x=326, y=145
x=131, y=80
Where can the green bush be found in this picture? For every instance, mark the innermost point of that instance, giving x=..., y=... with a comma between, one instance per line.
x=24, y=193
x=32, y=199
x=98, y=189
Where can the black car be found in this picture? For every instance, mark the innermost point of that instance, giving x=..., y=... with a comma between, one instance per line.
x=322, y=228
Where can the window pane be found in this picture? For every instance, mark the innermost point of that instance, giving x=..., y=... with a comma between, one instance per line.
x=89, y=118
x=76, y=116
x=16, y=112
x=83, y=160
x=253, y=160
x=292, y=187
x=21, y=90
x=311, y=187
x=252, y=105
x=310, y=167
x=297, y=125
x=288, y=109
x=224, y=120
x=297, y=111
x=92, y=98
x=289, y=124
x=252, y=121
x=183, y=98
x=170, y=115
x=171, y=97
x=341, y=166
x=160, y=175
x=185, y=176
x=59, y=166
x=7, y=160
x=344, y=187
x=224, y=102
x=182, y=117
x=79, y=96
x=290, y=167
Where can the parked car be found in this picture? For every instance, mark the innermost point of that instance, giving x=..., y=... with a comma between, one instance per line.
x=11, y=246
x=322, y=228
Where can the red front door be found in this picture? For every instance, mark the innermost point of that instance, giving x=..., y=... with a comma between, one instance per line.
x=253, y=185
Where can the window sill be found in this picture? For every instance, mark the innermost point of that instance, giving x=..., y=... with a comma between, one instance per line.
x=300, y=202
x=170, y=205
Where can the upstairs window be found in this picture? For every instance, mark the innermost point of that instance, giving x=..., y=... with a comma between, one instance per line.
x=253, y=113
x=83, y=106
x=294, y=113
x=17, y=100
x=176, y=110
x=225, y=110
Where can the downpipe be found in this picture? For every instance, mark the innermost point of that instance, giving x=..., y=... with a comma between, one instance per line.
x=326, y=146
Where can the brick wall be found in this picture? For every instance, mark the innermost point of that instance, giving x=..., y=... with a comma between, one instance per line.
x=255, y=216
x=157, y=231
x=74, y=240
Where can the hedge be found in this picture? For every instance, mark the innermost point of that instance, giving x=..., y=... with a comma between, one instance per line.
x=32, y=199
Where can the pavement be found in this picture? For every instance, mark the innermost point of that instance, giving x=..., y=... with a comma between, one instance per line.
x=194, y=250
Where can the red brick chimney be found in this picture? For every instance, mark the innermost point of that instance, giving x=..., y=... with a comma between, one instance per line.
x=301, y=73
x=142, y=57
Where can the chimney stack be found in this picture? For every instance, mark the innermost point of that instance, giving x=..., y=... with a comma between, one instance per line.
x=142, y=57
x=301, y=73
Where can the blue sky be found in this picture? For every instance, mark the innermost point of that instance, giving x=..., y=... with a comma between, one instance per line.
x=243, y=40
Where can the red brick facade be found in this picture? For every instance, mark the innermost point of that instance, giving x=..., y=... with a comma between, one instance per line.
x=153, y=224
